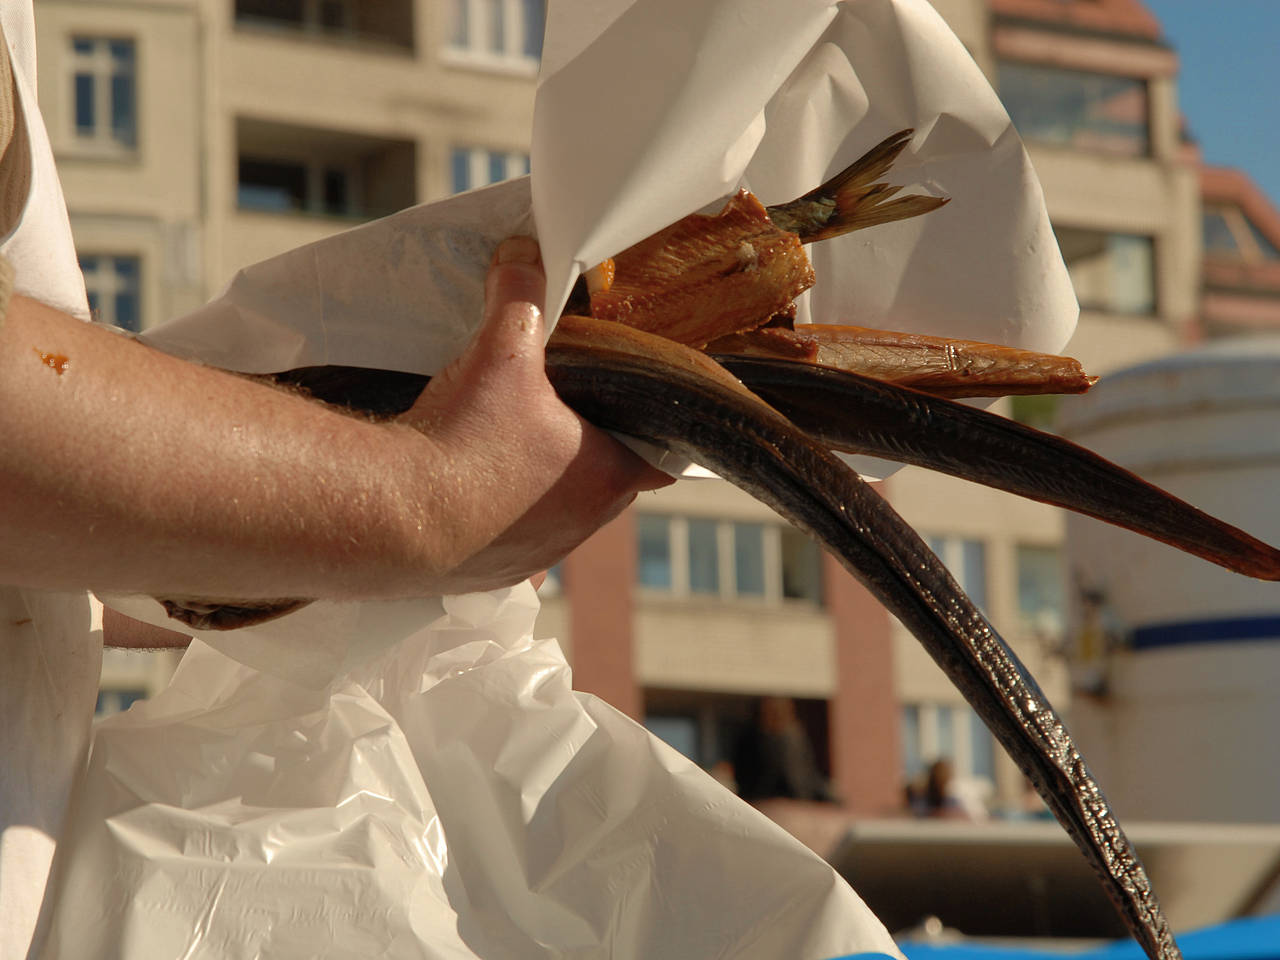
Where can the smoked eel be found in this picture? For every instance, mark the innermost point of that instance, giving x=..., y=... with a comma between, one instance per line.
x=766, y=411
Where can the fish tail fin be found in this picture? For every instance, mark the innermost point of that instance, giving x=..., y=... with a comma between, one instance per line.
x=853, y=198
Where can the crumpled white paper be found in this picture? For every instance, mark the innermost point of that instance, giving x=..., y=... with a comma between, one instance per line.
x=454, y=798
x=417, y=779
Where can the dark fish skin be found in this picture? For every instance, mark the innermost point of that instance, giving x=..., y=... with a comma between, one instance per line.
x=856, y=414
x=674, y=398
x=639, y=384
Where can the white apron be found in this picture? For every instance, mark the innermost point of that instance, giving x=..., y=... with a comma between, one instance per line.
x=50, y=643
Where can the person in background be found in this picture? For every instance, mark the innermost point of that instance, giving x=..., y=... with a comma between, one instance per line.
x=774, y=757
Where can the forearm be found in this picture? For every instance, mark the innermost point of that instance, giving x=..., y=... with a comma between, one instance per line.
x=131, y=470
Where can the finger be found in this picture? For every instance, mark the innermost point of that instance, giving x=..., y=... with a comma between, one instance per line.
x=515, y=289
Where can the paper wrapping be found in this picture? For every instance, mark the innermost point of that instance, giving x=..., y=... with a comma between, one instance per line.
x=418, y=779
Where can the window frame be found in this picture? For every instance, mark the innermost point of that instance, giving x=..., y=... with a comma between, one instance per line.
x=1144, y=148
x=108, y=294
x=480, y=161
x=469, y=36
x=98, y=65
x=678, y=546
x=927, y=748
x=314, y=171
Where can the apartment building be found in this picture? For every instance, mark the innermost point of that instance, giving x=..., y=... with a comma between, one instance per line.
x=197, y=136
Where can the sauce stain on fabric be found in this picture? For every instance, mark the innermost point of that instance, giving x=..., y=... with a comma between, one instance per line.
x=54, y=361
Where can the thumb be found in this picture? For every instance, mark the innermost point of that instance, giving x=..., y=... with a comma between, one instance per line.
x=505, y=356
x=513, y=328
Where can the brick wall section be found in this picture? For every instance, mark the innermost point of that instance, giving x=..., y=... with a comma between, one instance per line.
x=599, y=579
x=866, y=764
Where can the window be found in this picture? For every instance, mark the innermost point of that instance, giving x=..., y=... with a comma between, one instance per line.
x=653, y=567
x=553, y=585
x=473, y=167
x=1088, y=111
x=327, y=16
x=1041, y=593
x=967, y=562
x=1229, y=234
x=116, y=700
x=295, y=186
x=933, y=731
x=283, y=168
x=498, y=30
x=114, y=287
x=386, y=22
x=1112, y=272
x=104, y=90
x=698, y=556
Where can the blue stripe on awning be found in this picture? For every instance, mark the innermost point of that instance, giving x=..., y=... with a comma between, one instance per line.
x=1222, y=630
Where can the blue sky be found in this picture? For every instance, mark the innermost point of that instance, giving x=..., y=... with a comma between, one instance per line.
x=1229, y=84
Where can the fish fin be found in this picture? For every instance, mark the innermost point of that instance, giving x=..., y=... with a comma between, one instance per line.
x=853, y=198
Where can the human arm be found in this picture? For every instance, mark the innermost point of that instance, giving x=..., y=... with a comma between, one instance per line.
x=133, y=471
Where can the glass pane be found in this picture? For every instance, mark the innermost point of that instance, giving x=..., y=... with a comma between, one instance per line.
x=84, y=103
x=114, y=701
x=128, y=312
x=525, y=163
x=704, y=557
x=1087, y=111
x=1041, y=590
x=122, y=54
x=1133, y=274
x=284, y=11
x=460, y=165
x=1218, y=237
x=128, y=293
x=82, y=45
x=337, y=198
x=272, y=185
x=912, y=762
x=653, y=548
x=534, y=19
x=678, y=732
x=497, y=167
x=801, y=567
x=748, y=559
x=1265, y=246
x=982, y=750
x=973, y=575
x=1110, y=271
x=461, y=23
x=335, y=15
x=124, y=126
x=497, y=26
x=945, y=734
x=553, y=585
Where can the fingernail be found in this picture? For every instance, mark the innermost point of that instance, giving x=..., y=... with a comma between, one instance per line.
x=517, y=250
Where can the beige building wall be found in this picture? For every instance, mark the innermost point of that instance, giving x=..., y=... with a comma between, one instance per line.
x=394, y=101
x=144, y=201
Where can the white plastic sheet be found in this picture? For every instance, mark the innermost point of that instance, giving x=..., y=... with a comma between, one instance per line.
x=417, y=779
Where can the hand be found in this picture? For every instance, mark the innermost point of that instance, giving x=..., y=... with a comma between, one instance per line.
x=523, y=478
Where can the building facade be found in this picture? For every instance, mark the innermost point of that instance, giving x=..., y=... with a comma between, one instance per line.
x=197, y=136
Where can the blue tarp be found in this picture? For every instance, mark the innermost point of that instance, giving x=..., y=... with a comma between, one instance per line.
x=1252, y=938
x=1249, y=938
